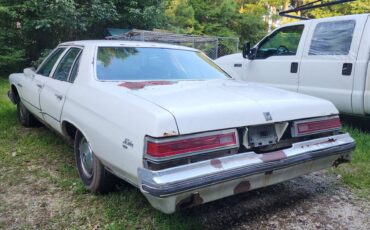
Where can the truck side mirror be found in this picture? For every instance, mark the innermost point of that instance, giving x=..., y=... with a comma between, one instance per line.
x=246, y=49
x=252, y=53
x=248, y=52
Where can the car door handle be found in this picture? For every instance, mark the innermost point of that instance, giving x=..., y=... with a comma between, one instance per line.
x=59, y=97
x=294, y=67
x=347, y=69
x=40, y=86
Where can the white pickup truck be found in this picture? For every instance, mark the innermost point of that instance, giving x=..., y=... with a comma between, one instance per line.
x=327, y=58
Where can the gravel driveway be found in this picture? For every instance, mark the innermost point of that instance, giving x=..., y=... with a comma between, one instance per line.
x=315, y=201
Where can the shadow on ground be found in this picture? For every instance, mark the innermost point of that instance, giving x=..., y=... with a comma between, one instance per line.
x=361, y=123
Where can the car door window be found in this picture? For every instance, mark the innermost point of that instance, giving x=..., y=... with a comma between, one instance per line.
x=48, y=64
x=283, y=42
x=75, y=69
x=65, y=65
x=332, y=38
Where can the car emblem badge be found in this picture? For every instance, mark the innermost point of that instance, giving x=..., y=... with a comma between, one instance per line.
x=127, y=143
x=267, y=116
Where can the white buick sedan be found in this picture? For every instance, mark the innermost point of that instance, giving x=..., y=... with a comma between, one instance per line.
x=169, y=121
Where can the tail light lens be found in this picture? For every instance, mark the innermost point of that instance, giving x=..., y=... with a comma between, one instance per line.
x=192, y=144
x=317, y=125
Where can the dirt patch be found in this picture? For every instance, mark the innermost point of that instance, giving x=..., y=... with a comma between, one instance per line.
x=315, y=201
x=30, y=200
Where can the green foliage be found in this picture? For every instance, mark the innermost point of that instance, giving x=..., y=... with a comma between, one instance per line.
x=218, y=18
x=180, y=16
x=356, y=7
x=28, y=27
x=11, y=50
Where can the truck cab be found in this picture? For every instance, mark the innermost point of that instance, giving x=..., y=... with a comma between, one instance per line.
x=327, y=58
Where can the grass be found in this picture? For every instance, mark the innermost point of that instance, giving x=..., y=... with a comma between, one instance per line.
x=357, y=174
x=39, y=183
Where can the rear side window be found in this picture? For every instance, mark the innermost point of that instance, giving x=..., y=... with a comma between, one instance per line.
x=332, y=38
x=49, y=63
x=65, y=65
x=75, y=69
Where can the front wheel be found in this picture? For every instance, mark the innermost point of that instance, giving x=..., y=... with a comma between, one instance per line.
x=92, y=172
x=25, y=117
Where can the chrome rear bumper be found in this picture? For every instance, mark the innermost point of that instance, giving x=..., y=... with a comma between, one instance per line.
x=209, y=180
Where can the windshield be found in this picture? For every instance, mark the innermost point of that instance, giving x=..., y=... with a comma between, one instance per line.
x=132, y=63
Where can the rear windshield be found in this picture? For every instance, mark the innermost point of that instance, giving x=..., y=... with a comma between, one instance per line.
x=132, y=63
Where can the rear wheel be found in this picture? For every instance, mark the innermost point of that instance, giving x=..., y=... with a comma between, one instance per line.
x=25, y=117
x=92, y=172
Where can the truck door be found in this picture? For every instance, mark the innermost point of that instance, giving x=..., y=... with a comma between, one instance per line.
x=278, y=58
x=329, y=56
x=32, y=86
x=53, y=95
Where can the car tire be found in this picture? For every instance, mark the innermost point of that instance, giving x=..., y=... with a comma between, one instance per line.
x=90, y=169
x=25, y=117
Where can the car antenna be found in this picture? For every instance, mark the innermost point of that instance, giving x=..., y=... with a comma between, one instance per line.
x=310, y=6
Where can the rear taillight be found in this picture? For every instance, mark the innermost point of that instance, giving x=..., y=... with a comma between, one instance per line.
x=317, y=125
x=192, y=144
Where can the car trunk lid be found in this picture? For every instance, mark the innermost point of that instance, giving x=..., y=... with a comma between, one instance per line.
x=199, y=106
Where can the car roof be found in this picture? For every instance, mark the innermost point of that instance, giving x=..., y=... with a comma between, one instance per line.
x=124, y=44
x=344, y=17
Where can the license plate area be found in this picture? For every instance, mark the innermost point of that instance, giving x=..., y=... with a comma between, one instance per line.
x=261, y=135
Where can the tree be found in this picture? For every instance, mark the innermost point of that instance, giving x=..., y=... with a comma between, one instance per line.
x=11, y=49
x=356, y=7
x=180, y=16
x=27, y=27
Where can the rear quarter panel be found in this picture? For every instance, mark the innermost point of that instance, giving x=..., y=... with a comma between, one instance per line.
x=108, y=120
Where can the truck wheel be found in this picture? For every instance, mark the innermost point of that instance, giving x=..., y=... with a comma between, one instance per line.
x=92, y=172
x=25, y=117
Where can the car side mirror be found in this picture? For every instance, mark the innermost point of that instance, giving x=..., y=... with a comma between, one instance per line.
x=29, y=72
x=248, y=52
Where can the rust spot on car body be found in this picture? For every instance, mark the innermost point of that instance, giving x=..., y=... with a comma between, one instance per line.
x=169, y=134
x=243, y=186
x=216, y=163
x=330, y=140
x=190, y=201
x=273, y=156
x=143, y=84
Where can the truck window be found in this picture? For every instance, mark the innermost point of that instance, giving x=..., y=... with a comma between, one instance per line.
x=283, y=42
x=332, y=38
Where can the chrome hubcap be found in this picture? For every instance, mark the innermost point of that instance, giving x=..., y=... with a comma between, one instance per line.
x=86, y=158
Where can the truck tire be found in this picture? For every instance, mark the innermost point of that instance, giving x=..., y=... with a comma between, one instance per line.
x=91, y=171
x=25, y=117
